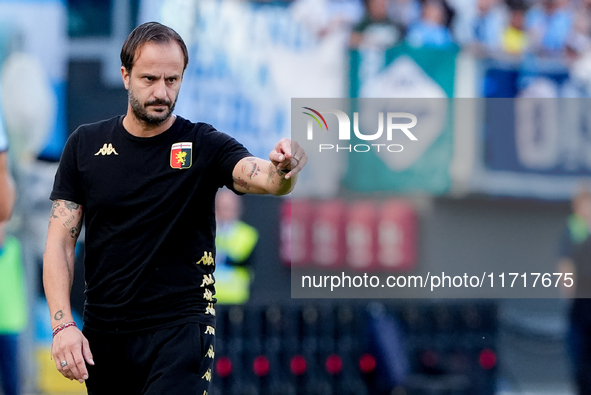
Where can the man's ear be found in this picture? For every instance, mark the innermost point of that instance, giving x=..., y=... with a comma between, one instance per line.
x=125, y=75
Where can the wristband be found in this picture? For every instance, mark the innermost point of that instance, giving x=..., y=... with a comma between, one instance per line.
x=61, y=327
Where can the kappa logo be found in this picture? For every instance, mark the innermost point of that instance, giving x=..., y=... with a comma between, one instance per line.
x=206, y=260
x=208, y=295
x=209, y=330
x=210, y=309
x=207, y=375
x=107, y=150
x=207, y=280
x=210, y=353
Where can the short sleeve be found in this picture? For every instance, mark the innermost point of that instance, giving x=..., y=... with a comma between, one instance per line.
x=227, y=152
x=231, y=152
x=67, y=183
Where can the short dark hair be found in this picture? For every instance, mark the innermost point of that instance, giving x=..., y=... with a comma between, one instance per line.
x=149, y=32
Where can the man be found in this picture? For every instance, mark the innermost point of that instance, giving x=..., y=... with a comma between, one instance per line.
x=575, y=263
x=12, y=324
x=145, y=184
x=7, y=191
x=376, y=29
x=235, y=241
x=13, y=312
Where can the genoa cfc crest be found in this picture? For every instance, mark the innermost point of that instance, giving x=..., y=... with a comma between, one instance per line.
x=180, y=155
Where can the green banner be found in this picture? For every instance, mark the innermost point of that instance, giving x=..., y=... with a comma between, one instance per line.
x=419, y=81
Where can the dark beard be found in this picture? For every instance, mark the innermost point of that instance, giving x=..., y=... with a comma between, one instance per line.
x=140, y=111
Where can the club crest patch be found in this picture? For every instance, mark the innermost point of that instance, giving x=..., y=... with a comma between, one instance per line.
x=180, y=155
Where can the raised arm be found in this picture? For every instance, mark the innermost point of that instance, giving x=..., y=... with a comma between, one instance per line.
x=70, y=347
x=276, y=176
x=7, y=190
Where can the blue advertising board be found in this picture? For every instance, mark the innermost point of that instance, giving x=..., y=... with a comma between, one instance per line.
x=534, y=136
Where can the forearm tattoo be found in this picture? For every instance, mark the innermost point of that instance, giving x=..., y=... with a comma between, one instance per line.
x=250, y=168
x=69, y=212
x=54, y=206
x=71, y=206
x=274, y=171
x=271, y=173
x=242, y=183
x=75, y=231
x=255, y=170
x=58, y=315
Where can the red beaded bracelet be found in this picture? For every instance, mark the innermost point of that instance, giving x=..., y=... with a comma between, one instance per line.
x=61, y=327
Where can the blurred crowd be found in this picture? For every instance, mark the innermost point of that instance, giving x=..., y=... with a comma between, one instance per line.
x=557, y=29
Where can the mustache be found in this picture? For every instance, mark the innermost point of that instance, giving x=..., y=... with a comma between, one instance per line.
x=158, y=102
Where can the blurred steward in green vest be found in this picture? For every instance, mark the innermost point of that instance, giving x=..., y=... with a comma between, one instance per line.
x=235, y=242
x=13, y=312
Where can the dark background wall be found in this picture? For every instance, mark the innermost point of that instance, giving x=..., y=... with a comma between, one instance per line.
x=88, y=98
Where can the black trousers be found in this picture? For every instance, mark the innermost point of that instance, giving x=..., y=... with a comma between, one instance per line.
x=579, y=347
x=176, y=360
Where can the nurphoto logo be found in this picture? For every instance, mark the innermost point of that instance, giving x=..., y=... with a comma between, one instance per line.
x=344, y=133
